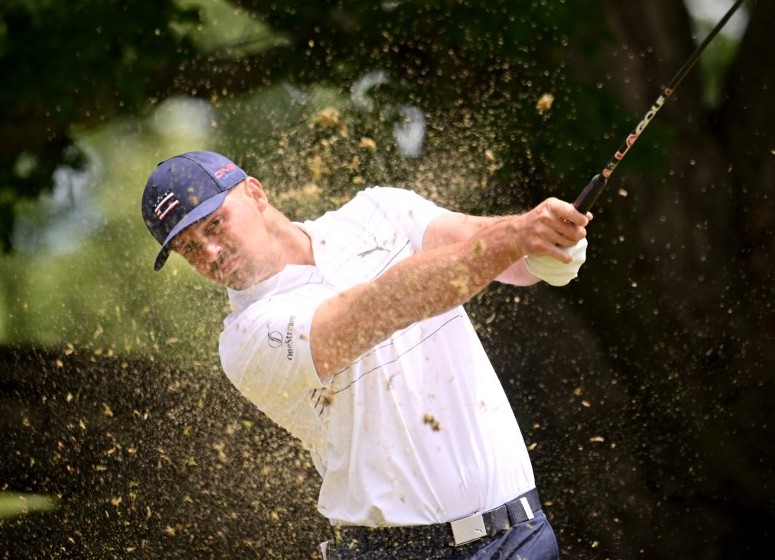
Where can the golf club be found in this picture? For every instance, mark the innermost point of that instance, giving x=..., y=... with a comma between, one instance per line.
x=590, y=193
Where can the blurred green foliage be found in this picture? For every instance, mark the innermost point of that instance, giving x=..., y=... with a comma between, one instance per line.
x=13, y=504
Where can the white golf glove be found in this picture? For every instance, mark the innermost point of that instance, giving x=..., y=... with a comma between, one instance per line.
x=557, y=273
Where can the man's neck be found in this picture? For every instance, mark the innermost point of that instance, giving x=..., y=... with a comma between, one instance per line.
x=293, y=242
x=304, y=246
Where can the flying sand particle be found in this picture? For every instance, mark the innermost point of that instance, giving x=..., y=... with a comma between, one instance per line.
x=544, y=103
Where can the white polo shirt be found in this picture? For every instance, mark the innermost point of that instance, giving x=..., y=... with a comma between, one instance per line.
x=416, y=431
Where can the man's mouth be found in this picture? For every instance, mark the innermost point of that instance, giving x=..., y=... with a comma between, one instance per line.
x=224, y=266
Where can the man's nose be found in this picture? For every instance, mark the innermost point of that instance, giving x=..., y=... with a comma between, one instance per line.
x=211, y=250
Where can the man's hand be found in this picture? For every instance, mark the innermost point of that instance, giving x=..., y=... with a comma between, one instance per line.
x=557, y=273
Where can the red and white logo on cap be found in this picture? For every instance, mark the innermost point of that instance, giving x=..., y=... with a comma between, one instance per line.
x=165, y=206
x=219, y=173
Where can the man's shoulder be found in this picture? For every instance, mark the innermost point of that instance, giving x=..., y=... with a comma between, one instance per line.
x=361, y=207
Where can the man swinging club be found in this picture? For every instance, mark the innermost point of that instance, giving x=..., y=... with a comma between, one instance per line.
x=349, y=331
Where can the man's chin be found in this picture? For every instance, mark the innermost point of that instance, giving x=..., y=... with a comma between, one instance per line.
x=235, y=282
x=240, y=278
x=232, y=284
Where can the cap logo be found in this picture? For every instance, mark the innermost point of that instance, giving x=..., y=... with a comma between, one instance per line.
x=165, y=206
x=224, y=170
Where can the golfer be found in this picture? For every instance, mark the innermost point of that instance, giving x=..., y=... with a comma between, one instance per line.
x=349, y=332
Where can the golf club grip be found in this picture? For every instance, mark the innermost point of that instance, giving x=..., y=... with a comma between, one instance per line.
x=590, y=193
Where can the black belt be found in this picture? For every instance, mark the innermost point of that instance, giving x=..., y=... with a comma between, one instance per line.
x=454, y=533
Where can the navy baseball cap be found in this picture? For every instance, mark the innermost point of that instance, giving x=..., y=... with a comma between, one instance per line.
x=184, y=189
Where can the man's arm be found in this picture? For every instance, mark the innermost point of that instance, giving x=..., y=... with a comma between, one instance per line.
x=452, y=228
x=454, y=266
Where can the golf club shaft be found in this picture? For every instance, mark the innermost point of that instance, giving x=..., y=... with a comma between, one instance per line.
x=590, y=193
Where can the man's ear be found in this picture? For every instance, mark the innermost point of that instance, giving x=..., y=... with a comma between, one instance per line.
x=255, y=190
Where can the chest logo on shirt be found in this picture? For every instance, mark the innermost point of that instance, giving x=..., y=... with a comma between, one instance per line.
x=289, y=337
x=275, y=339
x=377, y=247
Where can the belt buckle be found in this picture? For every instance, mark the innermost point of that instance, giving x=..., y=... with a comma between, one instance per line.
x=468, y=529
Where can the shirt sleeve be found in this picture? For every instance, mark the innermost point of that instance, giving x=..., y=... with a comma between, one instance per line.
x=265, y=352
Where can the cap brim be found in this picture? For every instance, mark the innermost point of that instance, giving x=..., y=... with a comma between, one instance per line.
x=202, y=211
x=161, y=258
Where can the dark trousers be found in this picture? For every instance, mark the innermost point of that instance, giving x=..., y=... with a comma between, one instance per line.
x=530, y=540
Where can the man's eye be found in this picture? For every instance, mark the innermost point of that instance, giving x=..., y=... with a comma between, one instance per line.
x=214, y=224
